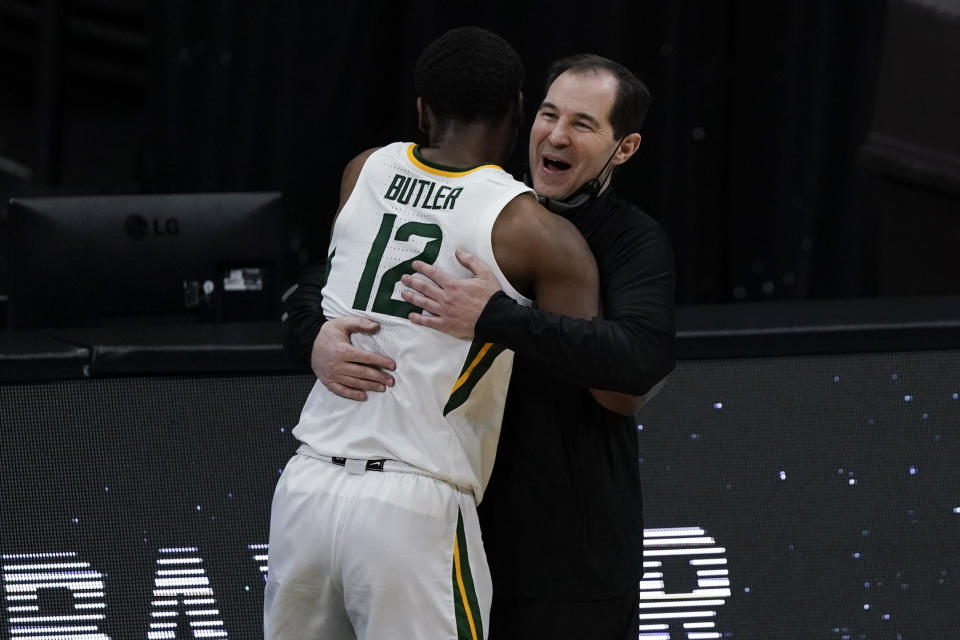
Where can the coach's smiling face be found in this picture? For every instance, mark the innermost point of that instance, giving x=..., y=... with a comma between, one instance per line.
x=572, y=136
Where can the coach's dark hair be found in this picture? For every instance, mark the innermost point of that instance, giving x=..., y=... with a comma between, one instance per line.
x=469, y=74
x=633, y=98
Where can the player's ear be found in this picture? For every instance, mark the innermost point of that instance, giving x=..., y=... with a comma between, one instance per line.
x=518, y=113
x=422, y=117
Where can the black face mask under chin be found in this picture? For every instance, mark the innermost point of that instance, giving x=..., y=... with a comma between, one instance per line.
x=579, y=198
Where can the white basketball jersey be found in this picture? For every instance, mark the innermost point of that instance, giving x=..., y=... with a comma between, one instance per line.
x=443, y=414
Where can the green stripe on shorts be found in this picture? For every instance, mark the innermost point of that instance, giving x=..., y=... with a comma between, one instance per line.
x=466, y=607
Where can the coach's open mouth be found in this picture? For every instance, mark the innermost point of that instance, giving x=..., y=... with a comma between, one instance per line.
x=555, y=165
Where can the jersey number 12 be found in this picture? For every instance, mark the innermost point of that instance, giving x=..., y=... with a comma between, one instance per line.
x=383, y=301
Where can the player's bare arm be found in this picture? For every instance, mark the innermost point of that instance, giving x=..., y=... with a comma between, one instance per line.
x=344, y=369
x=545, y=258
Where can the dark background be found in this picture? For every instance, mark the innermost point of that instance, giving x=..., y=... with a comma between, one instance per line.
x=795, y=149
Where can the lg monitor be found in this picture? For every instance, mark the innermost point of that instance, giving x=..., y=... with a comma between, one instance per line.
x=105, y=260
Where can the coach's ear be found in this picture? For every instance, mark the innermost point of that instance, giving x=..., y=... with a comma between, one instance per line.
x=628, y=147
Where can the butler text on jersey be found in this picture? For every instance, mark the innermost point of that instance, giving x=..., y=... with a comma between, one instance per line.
x=402, y=188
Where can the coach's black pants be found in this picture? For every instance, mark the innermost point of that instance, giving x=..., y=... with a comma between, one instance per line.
x=514, y=618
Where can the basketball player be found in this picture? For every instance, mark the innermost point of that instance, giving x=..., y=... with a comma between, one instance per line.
x=374, y=531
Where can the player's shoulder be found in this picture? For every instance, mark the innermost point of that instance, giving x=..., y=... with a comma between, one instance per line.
x=357, y=162
x=351, y=174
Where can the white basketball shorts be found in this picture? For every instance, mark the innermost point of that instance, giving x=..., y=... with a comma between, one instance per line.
x=374, y=555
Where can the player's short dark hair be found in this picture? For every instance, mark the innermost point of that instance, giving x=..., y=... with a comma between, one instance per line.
x=633, y=98
x=469, y=74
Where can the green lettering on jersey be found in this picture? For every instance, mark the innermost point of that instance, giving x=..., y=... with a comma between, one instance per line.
x=452, y=198
x=373, y=262
x=422, y=183
x=428, y=194
x=327, y=266
x=406, y=191
x=438, y=198
x=426, y=198
x=384, y=302
x=394, y=189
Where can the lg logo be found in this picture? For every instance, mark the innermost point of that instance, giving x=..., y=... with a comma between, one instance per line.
x=137, y=227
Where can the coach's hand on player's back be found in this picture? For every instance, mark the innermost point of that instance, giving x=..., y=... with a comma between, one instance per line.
x=453, y=303
x=343, y=368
